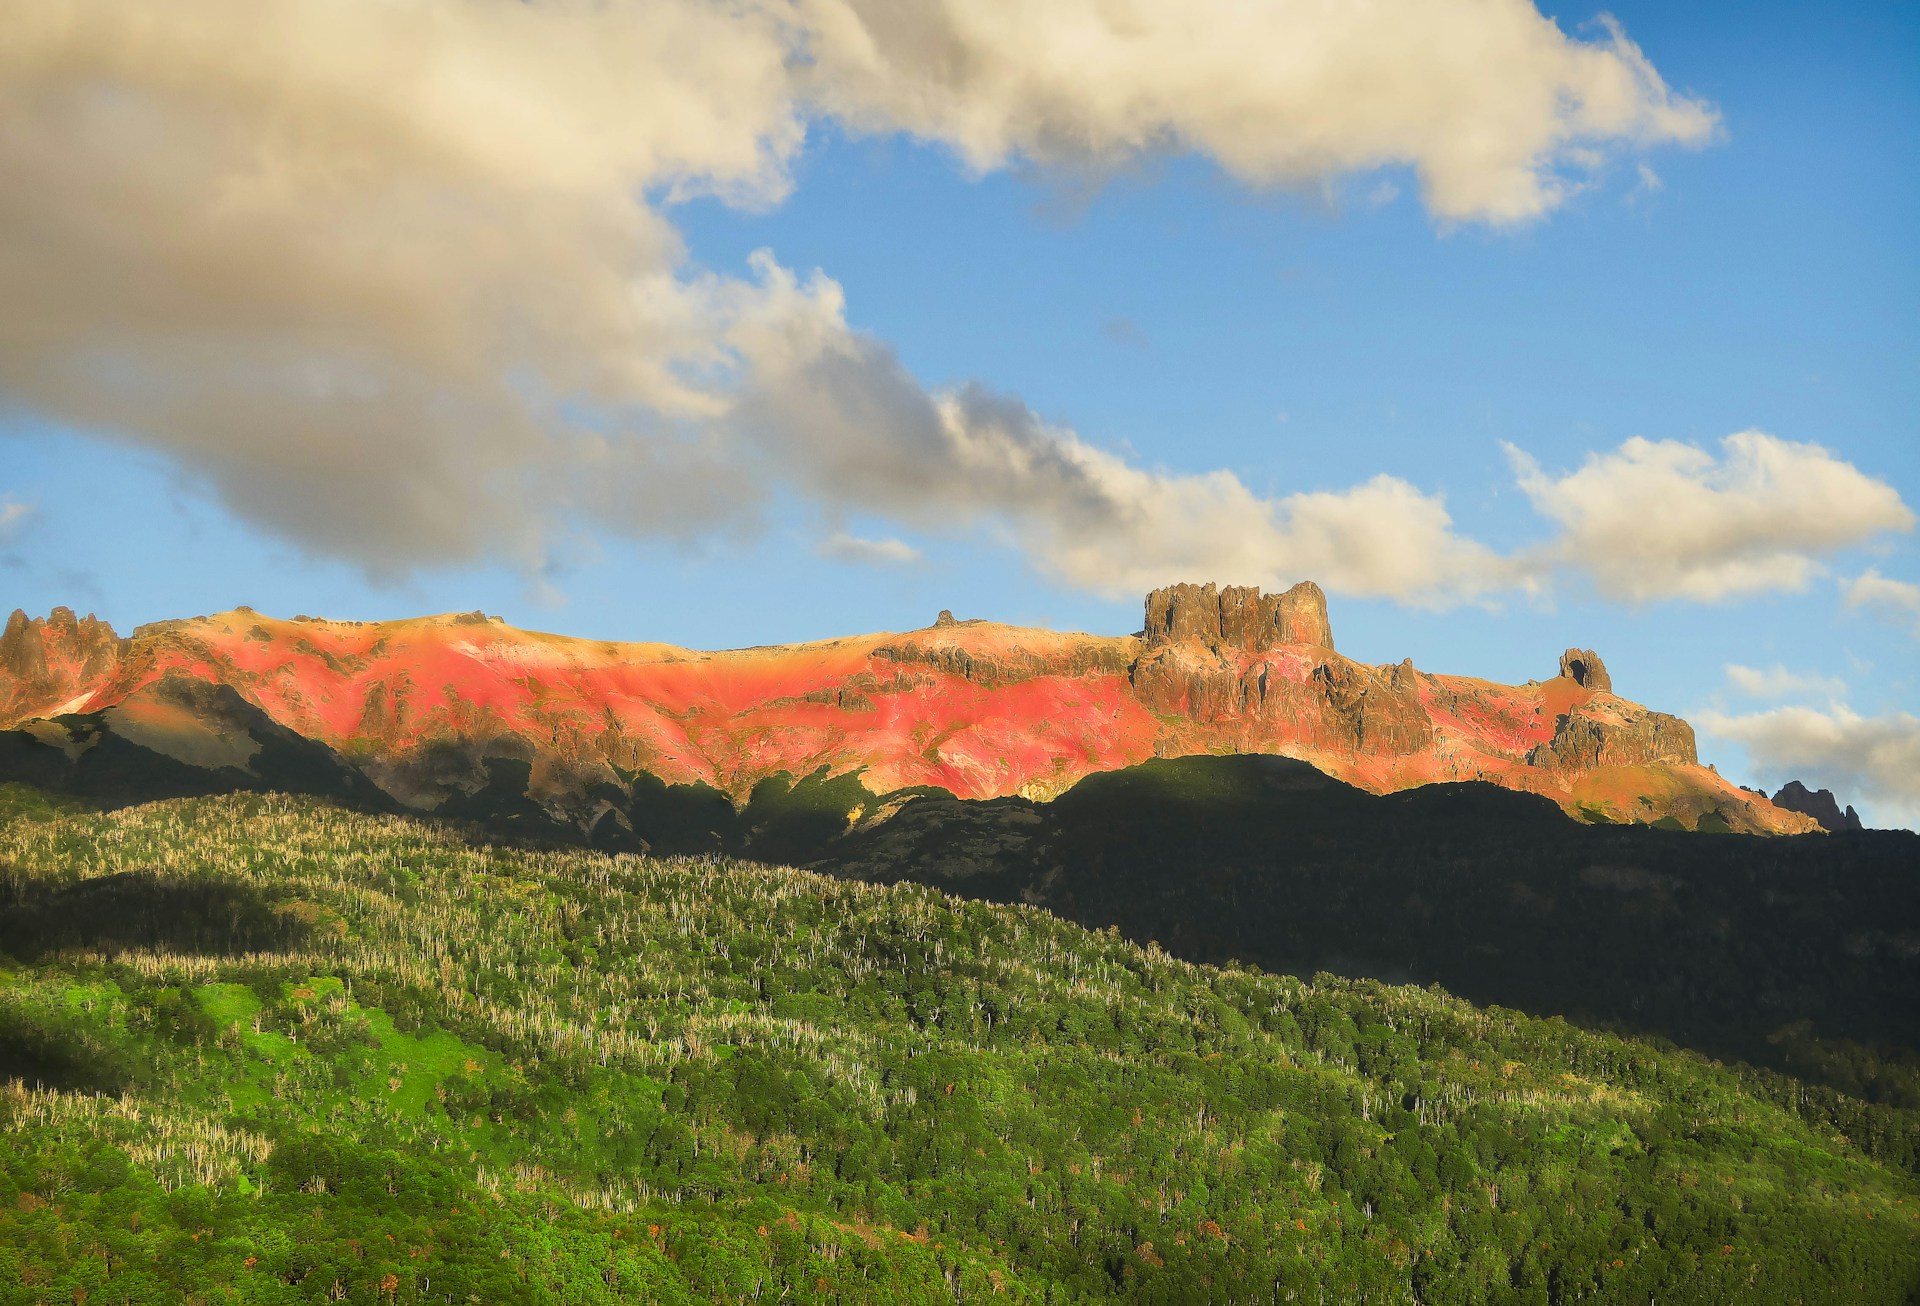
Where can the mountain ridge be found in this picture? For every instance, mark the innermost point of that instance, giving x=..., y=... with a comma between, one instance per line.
x=427, y=707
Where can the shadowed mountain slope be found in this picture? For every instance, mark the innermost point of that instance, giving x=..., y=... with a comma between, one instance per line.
x=1800, y=953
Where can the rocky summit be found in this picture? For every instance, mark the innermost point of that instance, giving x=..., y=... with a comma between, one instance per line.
x=1820, y=804
x=434, y=711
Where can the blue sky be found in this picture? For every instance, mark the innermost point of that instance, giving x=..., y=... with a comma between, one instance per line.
x=1304, y=337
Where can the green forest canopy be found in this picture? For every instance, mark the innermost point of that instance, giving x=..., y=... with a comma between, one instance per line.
x=267, y=1050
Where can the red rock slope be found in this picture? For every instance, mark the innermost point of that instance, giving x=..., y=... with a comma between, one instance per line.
x=974, y=707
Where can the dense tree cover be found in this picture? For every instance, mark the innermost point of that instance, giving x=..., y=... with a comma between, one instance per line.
x=1790, y=953
x=1794, y=954
x=267, y=1050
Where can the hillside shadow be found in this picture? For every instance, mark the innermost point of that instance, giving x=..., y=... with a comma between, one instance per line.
x=140, y=911
x=1792, y=953
x=45, y=1057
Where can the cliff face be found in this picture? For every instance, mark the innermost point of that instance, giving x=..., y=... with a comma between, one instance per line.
x=1589, y=738
x=45, y=662
x=436, y=710
x=1238, y=616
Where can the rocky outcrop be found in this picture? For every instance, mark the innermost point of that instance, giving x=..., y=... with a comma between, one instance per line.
x=1583, y=740
x=44, y=662
x=1238, y=616
x=1380, y=706
x=1820, y=804
x=1205, y=660
x=23, y=652
x=1186, y=680
x=1004, y=665
x=1185, y=613
x=1584, y=668
x=85, y=646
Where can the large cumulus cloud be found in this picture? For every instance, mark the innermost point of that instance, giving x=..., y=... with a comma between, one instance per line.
x=1495, y=108
x=398, y=279
x=1660, y=519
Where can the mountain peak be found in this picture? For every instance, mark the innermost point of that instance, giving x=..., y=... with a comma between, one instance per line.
x=43, y=660
x=1820, y=804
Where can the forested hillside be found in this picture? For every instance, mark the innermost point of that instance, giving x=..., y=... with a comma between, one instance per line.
x=1799, y=953
x=266, y=1050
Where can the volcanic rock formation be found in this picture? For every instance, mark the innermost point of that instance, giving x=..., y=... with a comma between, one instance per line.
x=1584, y=668
x=1238, y=616
x=45, y=663
x=1820, y=804
x=455, y=712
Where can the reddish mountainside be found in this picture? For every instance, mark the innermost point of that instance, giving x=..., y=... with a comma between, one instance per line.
x=976, y=708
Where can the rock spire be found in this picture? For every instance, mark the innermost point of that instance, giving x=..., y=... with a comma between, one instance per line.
x=1584, y=668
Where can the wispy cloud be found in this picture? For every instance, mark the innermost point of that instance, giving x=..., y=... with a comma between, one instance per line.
x=886, y=552
x=859, y=434
x=1649, y=182
x=14, y=517
x=1897, y=600
x=1776, y=682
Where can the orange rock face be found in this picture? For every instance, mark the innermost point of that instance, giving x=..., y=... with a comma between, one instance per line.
x=976, y=708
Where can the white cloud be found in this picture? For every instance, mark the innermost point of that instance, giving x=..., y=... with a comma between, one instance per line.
x=1898, y=600
x=886, y=552
x=1499, y=113
x=399, y=282
x=1384, y=538
x=857, y=432
x=1876, y=758
x=1663, y=519
x=1776, y=682
x=1383, y=193
x=378, y=273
